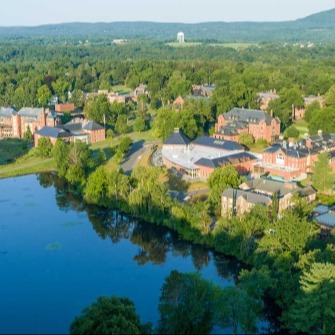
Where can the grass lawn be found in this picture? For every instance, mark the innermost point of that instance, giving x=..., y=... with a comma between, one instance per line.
x=258, y=147
x=196, y=186
x=11, y=149
x=236, y=46
x=122, y=89
x=27, y=164
x=183, y=45
x=302, y=126
x=144, y=135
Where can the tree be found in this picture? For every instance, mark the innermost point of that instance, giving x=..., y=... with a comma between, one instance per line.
x=291, y=132
x=323, y=178
x=77, y=97
x=220, y=179
x=97, y=187
x=186, y=304
x=61, y=88
x=100, y=158
x=164, y=123
x=322, y=119
x=28, y=135
x=314, y=309
x=139, y=124
x=98, y=109
x=124, y=144
x=121, y=125
x=329, y=98
x=108, y=315
x=44, y=147
x=246, y=139
x=43, y=95
x=60, y=153
x=236, y=310
x=289, y=234
x=311, y=109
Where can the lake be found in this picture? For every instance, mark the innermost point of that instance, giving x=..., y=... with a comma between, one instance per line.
x=58, y=256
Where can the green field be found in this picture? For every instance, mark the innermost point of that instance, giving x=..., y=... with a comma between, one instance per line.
x=11, y=149
x=183, y=45
x=302, y=126
x=236, y=46
x=121, y=89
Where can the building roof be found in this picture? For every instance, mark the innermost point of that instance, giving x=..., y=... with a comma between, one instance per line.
x=327, y=220
x=267, y=95
x=218, y=144
x=177, y=138
x=248, y=116
x=30, y=112
x=250, y=197
x=91, y=125
x=61, y=108
x=7, y=112
x=53, y=132
x=226, y=160
x=320, y=209
x=270, y=187
x=289, y=151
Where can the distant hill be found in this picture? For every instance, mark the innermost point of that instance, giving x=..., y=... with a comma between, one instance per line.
x=318, y=27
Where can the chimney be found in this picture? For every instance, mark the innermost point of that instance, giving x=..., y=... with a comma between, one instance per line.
x=320, y=133
x=271, y=113
x=176, y=130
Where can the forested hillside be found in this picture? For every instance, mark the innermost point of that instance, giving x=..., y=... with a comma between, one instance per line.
x=317, y=28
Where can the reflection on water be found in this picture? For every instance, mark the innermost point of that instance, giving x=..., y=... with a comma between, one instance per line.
x=58, y=256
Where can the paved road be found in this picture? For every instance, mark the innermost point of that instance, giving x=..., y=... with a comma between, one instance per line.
x=137, y=150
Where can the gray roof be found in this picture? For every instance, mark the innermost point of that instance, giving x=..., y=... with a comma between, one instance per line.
x=217, y=144
x=298, y=152
x=250, y=197
x=248, y=115
x=53, y=132
x=221, y=161
x=7, y=112
x=177, y=138
x=327, y=220
x=271, y=186
x=30, y=112
x=320, y=209
x=91, y=125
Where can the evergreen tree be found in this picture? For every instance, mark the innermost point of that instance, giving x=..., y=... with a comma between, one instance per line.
x=314, y=309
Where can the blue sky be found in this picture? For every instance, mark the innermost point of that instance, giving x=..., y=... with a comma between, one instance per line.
x=37, y=12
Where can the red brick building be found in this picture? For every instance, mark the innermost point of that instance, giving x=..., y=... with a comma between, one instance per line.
x=257, y=123
x=15, y=123
x=86, y=131
x=291, y=161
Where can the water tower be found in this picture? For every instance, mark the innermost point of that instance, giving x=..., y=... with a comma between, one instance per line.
x=181, y=37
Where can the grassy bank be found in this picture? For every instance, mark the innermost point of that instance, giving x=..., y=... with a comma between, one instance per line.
x=27, y=164
x=12, y=149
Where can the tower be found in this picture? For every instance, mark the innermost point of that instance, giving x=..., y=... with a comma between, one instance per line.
x=181, y=37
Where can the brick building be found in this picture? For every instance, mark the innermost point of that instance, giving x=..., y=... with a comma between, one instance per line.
x=86, y=131
x=15, y=123
x=292, y=160
x=262, y=191
x=257, y=123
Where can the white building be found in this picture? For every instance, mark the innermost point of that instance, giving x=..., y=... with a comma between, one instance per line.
x=181, y=37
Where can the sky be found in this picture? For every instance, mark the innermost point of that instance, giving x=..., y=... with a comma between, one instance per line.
x=38, y=12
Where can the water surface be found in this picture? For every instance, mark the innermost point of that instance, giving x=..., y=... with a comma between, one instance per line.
x=57, y=256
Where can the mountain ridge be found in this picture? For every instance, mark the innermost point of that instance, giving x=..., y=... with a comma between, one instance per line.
x=318, y=27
